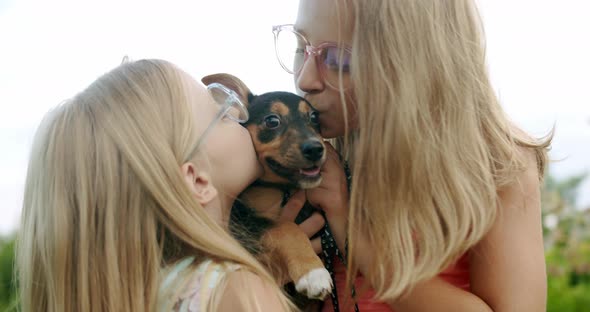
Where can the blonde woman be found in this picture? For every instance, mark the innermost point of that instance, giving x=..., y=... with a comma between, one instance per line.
x=127, y=196
x=444, y=212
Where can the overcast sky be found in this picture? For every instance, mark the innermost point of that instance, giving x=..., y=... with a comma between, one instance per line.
x=538, y=54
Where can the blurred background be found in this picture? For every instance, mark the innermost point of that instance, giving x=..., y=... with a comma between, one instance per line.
x=538, y=56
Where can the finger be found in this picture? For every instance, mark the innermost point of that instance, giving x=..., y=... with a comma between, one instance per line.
x=316, y=196
x=316, y=244
x=331, y=150
x=313, y=224
x=292, y=207
x=333, y=160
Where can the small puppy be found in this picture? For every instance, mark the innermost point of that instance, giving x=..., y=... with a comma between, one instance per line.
x=285, y=131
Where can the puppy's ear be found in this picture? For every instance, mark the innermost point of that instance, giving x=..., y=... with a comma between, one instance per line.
x=232, y=82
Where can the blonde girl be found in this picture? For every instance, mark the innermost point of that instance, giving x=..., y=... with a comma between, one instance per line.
x=127, y=195
x=444, y=212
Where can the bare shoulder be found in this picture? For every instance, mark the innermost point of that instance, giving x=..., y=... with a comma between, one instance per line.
x=527, y=183
x=508, y=266
x=246, y=291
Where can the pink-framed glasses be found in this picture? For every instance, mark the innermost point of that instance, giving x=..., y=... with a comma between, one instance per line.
x=293, y=50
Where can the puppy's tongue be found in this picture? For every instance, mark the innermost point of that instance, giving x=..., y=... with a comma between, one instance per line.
x=310, y=172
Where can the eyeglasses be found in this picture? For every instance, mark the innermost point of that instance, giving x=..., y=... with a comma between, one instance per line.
x=293, y=49
x=230, y=107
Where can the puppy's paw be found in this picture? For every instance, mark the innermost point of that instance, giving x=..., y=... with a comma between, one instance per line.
x=316, y=284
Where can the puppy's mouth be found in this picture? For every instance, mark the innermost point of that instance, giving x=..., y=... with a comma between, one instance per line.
x=310, y=172
x=303, y=177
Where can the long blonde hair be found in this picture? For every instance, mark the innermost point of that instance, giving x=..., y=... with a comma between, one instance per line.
x=433, y=145
x=106, y=208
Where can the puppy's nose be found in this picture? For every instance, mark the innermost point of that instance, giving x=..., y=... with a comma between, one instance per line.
x=312, y=150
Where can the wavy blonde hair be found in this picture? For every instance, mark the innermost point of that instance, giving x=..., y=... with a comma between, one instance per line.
x=433, y=145
x=106, y=208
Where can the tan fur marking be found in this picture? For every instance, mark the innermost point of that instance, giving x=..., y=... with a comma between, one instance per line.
x=266, y=201
x=304, y=107
x=266, y=149
x=286, y=241
x=262, y=148
x=279, y=108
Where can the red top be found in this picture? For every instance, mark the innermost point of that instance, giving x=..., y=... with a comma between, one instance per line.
x=456, y=274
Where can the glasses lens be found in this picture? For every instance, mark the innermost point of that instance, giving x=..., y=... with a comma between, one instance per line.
x=237, y=114
x=290, y=49
x=333, y=60
x=229, y=101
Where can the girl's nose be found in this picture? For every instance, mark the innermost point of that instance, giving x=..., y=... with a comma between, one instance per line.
x=309, y=79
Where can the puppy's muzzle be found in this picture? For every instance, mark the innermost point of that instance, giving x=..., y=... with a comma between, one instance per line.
x=312, y=150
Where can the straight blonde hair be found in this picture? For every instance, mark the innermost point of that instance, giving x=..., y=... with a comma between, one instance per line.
x=106, y=208
x=433, y=145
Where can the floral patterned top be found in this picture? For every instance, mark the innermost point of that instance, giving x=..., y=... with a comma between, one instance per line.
x=195, y=296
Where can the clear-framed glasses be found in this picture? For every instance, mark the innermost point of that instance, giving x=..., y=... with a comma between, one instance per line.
x=230, y=106
x=293, y=50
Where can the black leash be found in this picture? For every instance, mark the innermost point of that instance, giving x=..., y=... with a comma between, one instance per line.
x=330, y=249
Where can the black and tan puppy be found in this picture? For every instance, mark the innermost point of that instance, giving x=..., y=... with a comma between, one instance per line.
x=285, y=131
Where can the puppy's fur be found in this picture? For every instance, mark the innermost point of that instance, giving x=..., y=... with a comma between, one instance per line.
x=285, y=132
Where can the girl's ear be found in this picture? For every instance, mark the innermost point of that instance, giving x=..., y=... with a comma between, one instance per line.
x=199, y=182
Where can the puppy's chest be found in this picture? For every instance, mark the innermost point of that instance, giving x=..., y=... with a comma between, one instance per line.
x=265, y=200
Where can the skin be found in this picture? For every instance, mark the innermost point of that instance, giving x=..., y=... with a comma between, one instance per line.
x=219, y=177
x=507, y=268
x=308, y=81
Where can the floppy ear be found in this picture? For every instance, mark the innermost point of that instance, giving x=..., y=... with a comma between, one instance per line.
x=232, y=82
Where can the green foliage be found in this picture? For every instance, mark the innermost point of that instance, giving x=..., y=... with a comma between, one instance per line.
x=567, y=189
x=7, y=283
x=563, y=297
x=567, y=246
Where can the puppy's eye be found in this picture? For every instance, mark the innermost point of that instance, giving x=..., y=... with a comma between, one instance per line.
x=314, y=118
x=272, y=122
